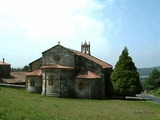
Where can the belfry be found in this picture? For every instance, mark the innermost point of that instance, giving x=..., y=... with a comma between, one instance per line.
x=85, y=48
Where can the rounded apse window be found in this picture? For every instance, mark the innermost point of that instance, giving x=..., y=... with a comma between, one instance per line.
x=57, y=58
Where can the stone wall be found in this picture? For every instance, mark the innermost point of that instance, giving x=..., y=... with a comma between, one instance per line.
x=35, y=65
x=63, y=84
x=58, y=55
x=37, y=87
x=88, y=88
x=82, y=88
x=4, y=70
x=83, y=64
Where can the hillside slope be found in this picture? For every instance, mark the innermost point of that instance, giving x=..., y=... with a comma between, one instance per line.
x=147, y=71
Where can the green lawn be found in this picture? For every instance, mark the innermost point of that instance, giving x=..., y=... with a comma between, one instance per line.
x=19, y=105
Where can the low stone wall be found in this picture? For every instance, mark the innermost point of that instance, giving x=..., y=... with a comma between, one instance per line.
x=12, y=86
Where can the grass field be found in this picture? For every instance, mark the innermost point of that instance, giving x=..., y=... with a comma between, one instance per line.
x=19, y=105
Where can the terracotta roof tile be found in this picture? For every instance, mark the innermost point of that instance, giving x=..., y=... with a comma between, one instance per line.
x=35, y=73
x=15, y=77
x=87, y=75
x=92, y=58
x=56, y=66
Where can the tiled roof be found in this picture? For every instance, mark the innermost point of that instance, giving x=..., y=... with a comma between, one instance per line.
x=87, y=75
x=56, y=66
x=35, y=73
x=15, y=77
x=92, y=58
x=3, y=63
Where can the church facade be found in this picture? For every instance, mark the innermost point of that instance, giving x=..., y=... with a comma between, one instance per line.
x=64, y=72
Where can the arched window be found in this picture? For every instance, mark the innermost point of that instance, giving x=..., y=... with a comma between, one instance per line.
x=50, y=82
x=80, y=86
x=32, y=83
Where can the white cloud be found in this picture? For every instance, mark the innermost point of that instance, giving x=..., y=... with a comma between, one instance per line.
x=9, y=24
x=36, y=25
x=48, y=18
x=62, y=20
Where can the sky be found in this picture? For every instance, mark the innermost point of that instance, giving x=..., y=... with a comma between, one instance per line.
x=29, y=27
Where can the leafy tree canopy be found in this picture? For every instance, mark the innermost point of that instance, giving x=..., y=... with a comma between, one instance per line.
x=153, y=81
x=125, y=78
x=25, y=68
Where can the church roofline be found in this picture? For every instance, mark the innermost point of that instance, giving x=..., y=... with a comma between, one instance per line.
x=87, y=56
x=53, y=47
x=36, y=60
x=35, y=73
x=92, y=58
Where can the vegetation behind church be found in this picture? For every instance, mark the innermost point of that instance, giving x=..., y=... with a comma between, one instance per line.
x=152, y=83
x=25, y=68
x=144, y=72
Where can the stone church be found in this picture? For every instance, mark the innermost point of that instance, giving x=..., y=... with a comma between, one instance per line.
x=64, y=72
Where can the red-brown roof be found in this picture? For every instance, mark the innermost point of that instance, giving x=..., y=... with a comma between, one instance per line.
x=56, y=66
x=15, y=77
x=4, y=63
x=35, y=73
x=92, y=58
x=87, y=75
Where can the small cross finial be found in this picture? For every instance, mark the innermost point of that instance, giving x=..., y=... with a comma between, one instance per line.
x=58, y=42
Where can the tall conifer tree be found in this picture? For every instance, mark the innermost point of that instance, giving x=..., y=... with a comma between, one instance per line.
x=125, y=78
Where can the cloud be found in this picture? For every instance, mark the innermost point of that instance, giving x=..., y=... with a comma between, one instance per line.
x=7, y=24
x=41, y=24
x=49, y=18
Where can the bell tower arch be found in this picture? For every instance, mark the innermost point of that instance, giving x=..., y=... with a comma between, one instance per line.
x=85, y=48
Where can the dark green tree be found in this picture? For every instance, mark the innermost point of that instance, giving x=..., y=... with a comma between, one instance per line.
x=153, y=80
x=125, y=78
x=25, y=68
x=16, y=69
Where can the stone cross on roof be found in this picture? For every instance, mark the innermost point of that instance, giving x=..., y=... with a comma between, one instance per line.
x=59, y=42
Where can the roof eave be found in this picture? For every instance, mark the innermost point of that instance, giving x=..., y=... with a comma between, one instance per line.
x=34, y=75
